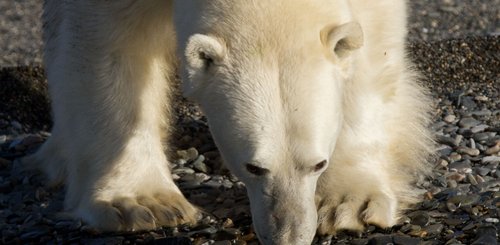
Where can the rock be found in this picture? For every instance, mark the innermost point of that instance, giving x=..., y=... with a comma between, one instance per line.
x=199, y=165
x=479, y=128
x=434, y=229
x=464, y=200
x=482, y=171
x=493, y=150
x=491, y=159
x=183, y=171
x=468, y=122
x=405, y=240
x=3, y=139
x=188, y=155
x=380, y=240
x=486, y=235
x=481, y=113
x=468, y=151
x=461, y=166
x=449, y=118
x=482, y=136
x=420, y=218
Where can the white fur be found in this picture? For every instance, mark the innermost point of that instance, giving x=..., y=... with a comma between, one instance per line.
x=285, y=84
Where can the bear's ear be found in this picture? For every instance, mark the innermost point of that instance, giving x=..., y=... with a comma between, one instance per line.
x=202, y=52
x=342, y=39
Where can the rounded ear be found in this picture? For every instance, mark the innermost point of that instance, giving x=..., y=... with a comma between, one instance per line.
x=342, y=39
x=202, y=52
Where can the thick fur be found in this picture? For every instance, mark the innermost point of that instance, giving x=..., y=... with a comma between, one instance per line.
x=313, y=104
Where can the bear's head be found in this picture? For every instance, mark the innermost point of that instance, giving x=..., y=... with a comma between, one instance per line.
x=274, y=103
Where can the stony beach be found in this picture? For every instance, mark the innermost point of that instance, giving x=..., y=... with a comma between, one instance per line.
x=455, y=45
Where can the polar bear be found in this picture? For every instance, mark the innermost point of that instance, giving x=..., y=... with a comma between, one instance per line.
x=312, y=104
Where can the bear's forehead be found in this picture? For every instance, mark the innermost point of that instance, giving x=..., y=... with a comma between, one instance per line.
x=267, y=27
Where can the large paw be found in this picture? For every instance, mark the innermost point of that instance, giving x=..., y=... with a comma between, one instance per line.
x=353, y=211
x=138, y=213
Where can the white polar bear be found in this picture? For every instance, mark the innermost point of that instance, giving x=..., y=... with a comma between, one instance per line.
x=312, y=104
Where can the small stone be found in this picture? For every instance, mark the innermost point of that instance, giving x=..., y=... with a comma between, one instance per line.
x=16, y=125
x=199, y=165
x=189, y=154
x=481, y=113
x=471, y=179
x=490, y=159
x=35, y=232
x=479, y=128
x=454, y=222
x=380, y=240
x=468, y=151
x=3, y=139
x=455, y=157
x=228, y=223
x=449, y=118
x=462, y=166
x=491, y=220
x=465, y=200
x=493, y=150
x=183, y=171
x=468, y=122
x=405, y=240
x=486, y=235
x=484, y=136
x=420, y=218
x=481, y=98
x=483, y=171
x=434, y=229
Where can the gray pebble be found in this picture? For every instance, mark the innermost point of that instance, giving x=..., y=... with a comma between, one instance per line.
x=449, y=118
x=434, y=229
x=199, y=165
x=483, y=136
x=491, y=159
x=183, y=171
x=479, y=128
x=486, y=235
x=420, y=218
x=468, y=122
x=482, y=113
x=468, y=151
x=461, y=166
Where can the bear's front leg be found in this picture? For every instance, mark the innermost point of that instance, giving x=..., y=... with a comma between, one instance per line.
x=108, y=66
x=354, y=192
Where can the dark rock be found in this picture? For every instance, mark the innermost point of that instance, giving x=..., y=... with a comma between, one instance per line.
x=380, y=240
x=405, y=240
x=486, y=235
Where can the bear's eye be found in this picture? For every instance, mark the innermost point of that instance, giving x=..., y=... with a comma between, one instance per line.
x=319, y=166
x=256, y=170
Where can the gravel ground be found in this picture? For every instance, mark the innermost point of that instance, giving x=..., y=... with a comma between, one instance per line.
x=460, y=207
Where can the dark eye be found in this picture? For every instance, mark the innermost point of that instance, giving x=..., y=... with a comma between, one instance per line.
x=256, y=170
x=319, y=166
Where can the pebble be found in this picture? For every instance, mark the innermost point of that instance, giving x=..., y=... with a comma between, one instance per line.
x=461, y=166
x=180, y=171
x=464, y=200
x=420, y=218
x=486, y=235
x=468, y=122
x=405, y=240
x=189, y=154
x=199, y=165
x=468, y=151
x=493, y=150
x=3, y=139
x=491, y=159
x=434, y=229
x=449, y=118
